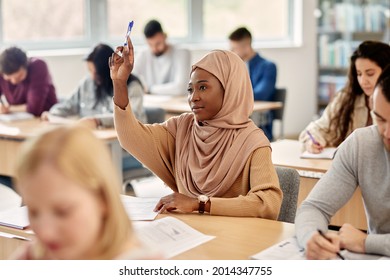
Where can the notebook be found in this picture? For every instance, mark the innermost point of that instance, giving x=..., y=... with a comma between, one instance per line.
x=327, y=153
x=16, y=116
x=15, y=218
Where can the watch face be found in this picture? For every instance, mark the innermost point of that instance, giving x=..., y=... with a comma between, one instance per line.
x=203, y=198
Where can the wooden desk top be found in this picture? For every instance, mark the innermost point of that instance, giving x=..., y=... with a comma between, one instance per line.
x=179, y=104
x=287, y=153
x=236, y=238
x=21, y=130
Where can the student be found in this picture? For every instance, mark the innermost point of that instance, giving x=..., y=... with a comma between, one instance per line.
x=92, y=99
x=215, y=159
x=262, y=73
x=25, y=83
x=66, y=179
x=164, y=67
x=350, y=109
x=363, y=160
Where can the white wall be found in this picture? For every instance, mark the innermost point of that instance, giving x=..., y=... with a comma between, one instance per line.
x=297, y=71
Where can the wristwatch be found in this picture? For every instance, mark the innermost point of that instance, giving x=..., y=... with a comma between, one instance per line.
x=202, y=199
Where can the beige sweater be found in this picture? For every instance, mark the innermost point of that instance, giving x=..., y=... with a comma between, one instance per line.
x=255, y=193
x=319, y=127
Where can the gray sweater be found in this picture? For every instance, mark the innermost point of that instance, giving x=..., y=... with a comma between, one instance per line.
x=361, y=161
x=82, y=103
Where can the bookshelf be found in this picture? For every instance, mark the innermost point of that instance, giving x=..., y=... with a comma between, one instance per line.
x=341, y=26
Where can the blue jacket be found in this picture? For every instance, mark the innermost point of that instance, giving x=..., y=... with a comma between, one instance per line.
x=262, y=73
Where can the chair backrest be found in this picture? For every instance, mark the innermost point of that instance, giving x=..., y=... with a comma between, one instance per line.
x=280, y=96
x=155, y=115
x=289, y=180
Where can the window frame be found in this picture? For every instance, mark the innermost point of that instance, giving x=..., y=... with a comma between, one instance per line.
x=97, y=30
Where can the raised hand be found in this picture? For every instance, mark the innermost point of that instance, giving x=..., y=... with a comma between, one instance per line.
x=120, y=70
x=121, y=66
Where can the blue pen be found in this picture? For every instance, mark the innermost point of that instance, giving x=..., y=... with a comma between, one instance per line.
x=129, y=27
x=312, y=138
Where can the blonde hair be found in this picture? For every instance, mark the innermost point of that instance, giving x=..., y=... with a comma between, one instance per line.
x=83, y=158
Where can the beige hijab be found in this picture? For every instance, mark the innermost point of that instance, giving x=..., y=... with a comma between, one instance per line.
x=210, y=158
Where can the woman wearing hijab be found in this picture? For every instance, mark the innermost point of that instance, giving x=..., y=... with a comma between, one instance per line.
x=215, y=159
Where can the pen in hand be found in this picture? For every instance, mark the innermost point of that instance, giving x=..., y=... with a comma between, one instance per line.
x=312, y=138
x=323, y=235
x=129, y=28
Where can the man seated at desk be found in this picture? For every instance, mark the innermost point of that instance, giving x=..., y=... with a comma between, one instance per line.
x=363, y=160
x=163, y=68
x=262, y=73
x=25, y=83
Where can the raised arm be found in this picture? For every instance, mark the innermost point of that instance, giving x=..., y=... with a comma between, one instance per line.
x=153, y=145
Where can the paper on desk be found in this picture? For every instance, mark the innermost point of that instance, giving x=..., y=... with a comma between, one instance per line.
x=327, y=153
x=7, y=130
x=16, y=116
x=9, y=235
x=285, y=250
x=140, y=208
x=59, y=120
x=170, y=235
x=289, y=250
x=151, y=186
x=15, y=218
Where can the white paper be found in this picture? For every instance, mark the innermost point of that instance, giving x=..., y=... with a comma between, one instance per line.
x=59, y=120
x=327, y=153
x=16, y=116
x=140, y=208
x=285, y=250
x=15, y=217
x=9, y=235
x=289, y=250
x=6, y=130
x=150, y=187
x=170, y=235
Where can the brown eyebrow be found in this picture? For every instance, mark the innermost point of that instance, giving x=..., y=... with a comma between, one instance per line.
x=198, y=82
x=379, y=116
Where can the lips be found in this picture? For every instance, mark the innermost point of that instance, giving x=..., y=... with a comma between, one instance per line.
x=196, y=108
x=53, y=246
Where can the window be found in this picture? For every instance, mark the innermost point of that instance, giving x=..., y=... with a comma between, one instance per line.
x=53, y=24
x=267, y=20
x=43, y=20
x=172, y=15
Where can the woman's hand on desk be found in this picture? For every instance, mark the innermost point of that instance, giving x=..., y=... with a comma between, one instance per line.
x=45, y=116
x=177, y=201
x=314, y=148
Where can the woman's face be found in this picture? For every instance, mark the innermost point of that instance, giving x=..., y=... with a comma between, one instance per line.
x=367, y=74
x=92, y=70
x=205, y=95
x=67, y=218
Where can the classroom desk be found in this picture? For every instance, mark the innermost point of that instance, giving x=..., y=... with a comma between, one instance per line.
x=13, y=134
x=286, y=153
x=236, y=237
x=179, y=104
